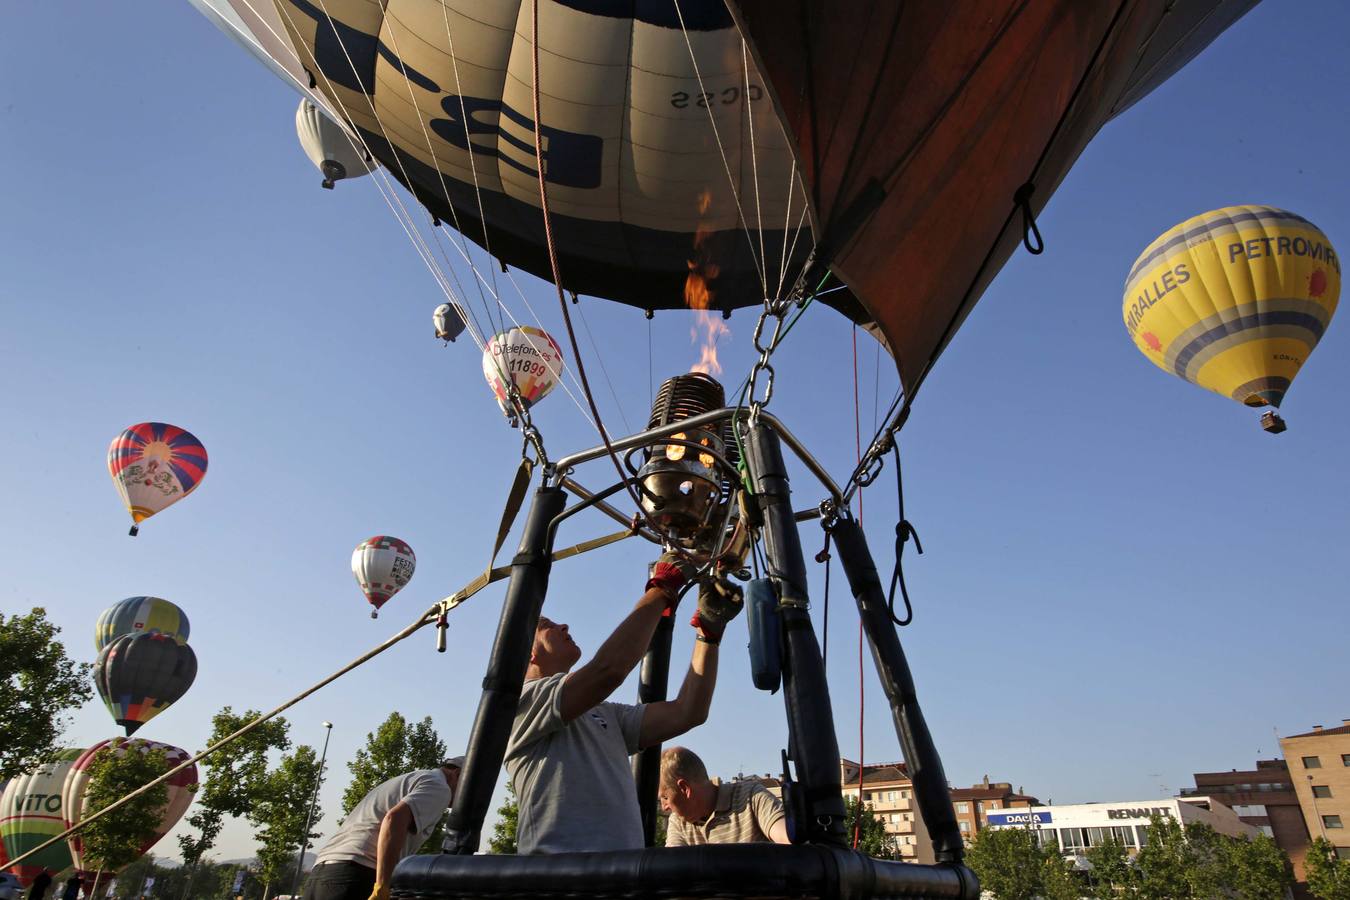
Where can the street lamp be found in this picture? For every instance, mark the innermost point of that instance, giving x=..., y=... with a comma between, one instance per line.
x=309, y=819
x=1317, y=814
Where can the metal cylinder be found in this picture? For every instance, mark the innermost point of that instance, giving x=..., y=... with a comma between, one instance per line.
x=921, y=756
x=653, y=687
x=812, y=744
x=681, y=479
x=505, y=674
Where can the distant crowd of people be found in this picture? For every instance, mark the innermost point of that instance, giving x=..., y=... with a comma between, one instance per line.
x=568, y=756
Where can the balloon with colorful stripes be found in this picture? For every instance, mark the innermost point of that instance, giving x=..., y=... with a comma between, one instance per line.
x=141, y=675
x=1234, y=301
x=154, y=465
x=31, y=813
x=181, y=787
x=141, y=615
x=523, y=357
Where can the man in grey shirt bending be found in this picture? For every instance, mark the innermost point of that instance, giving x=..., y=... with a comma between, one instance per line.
x=569, y=748
x=391, y=821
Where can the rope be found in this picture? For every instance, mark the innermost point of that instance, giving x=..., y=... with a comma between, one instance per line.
x=754, y=160
x=824, y=557
x=429, y=617
x=426, y=618
x=557, y=275
x=857, y=446
x=903, y=532
x=433, y=615
x=1022, y=200
x=760, y=268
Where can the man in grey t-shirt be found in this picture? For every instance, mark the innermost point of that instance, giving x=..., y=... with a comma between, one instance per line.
x=390, y=822
x=569, y=748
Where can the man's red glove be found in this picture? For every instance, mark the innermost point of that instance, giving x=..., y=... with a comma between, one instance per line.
x=670, y=573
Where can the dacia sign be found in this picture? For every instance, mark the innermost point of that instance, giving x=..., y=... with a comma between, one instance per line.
x=1020, y=818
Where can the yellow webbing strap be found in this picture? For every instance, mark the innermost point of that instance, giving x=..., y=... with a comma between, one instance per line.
x=501, y=572
x=514, y=499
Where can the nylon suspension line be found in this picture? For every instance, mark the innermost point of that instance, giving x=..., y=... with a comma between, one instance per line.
x=557, y=275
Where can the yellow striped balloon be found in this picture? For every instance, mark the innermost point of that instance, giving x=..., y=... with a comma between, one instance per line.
x=1234, y=300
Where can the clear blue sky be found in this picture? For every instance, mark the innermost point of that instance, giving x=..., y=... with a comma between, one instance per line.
x=1126, y=580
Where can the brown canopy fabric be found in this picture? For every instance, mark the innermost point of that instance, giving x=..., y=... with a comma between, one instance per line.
x=917, y=122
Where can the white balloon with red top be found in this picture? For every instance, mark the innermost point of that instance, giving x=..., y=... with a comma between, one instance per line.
x=383, y=566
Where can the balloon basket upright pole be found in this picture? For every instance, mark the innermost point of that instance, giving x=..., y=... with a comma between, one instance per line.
x=931, y=792
x=653, y=687
x=817, y=806
x=506, y=672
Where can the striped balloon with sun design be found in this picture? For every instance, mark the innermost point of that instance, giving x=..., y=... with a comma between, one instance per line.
x=154, y=465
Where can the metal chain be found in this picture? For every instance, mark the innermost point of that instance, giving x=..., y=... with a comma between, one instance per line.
x=776, y=310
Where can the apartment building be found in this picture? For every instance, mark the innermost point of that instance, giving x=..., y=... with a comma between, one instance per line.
x=974, y=804
x=887, y=788
x=1319, y=766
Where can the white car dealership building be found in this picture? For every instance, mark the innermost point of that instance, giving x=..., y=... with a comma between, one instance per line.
x=1076, y=827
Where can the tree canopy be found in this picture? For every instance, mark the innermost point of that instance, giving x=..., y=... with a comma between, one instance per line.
x=873, y=838
x=1193, y=862
x=115, y=840
x=392, y=749
x=279, y=817
x=503, y=838
x=1328, y=874
x=236, y=777
x=39, y=686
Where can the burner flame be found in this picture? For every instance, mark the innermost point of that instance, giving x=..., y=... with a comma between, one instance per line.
x=708, y=325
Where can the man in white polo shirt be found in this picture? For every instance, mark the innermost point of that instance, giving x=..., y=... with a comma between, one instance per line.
x=390, y=822
x=569, y=747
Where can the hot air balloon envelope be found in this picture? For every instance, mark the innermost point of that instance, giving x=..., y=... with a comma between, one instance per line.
x=328, y=146
x=885, y=142
x=139, y=676
x=31, y=813
x=449, y=321
x=1234, y=300
x=141, y=615
x=181, y=787
x=526, y=357
x=153, y=466
x=383, y=565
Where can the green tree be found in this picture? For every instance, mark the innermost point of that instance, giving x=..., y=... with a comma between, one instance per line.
x=394, y=748
x=116, y=839
x=39, y=685
x=279, y=818
x=1328, y=875
x=662, y=826
x=1110, y=874
x=131, y=879
x=873, y=838
x=1261, y=870
x=1164, y=862
x=1059, y=880
x=1009, y=863
x=236, y=780
x=503, y=838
